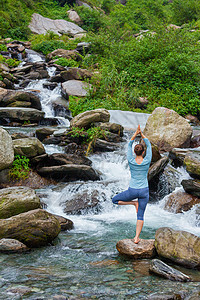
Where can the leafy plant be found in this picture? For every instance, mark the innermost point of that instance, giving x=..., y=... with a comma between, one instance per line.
x=20, y=168
x=3, y=47
x=9, y=61
x=62, y=61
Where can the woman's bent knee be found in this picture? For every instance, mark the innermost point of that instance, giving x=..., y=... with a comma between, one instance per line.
x=114, y=200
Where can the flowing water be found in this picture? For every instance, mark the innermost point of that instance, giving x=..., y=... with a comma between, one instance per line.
x=84, y=263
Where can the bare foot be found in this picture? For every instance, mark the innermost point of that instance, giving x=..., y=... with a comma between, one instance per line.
x=136, y=240
x=136, y=205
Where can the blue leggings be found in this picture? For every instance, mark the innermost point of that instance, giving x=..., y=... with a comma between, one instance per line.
x=131, y=194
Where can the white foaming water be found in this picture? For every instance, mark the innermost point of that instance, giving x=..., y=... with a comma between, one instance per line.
x=33, y=56
x=47, y=96
x=115, y=179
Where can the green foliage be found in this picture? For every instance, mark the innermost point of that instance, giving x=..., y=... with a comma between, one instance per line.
x=9, y=61
x=48, y=46
x=62, y=61
x=77, y=132
x=185, y=11
x=20, y=168
x=3, y=47
x=94, y=133
x=92, y=19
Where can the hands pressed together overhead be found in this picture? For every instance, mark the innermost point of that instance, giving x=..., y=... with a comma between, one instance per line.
x=138, y=131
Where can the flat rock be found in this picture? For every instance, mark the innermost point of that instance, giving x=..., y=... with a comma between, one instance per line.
x=12, y=246
x=21, y=114
x=35, y=228
x=180, y=247
x=29, y=147
x=161, y=269
x=167, y=129
x=191, y=186
x=180, y=201
x=16, y=200
x=69, y=172
x=101, y=145
x=144, y=249
x=76, y=88
x=42, y=133
x=88, y=117
x=75, y=74
x=6, y=149
x=65, y=223
x=41, y=25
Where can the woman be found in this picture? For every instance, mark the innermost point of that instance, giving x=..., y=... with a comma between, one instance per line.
x=138, y=187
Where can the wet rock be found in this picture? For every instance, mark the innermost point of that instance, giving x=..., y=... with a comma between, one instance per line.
x=41, y=25
x=58, y=159
x=29, y=147
x=195, y=141
x=192, y=163
x=88, y=117
x=69, y=172
x=9, y=97
x=103, y=146
x=161, y=269
x=19, y=291
x=16, y=200
x=82, y=202
x=50, y=85
x=144, y=249
x=195, y=295
x=53, y=121
x=6, y=149
x=191, y=186
x=57, y=78
x=75, y=88
x=55, y=140
x=180, y=247
x=157, y=168
x=35, y=228
x=69, y=54
x=163, y=296
x=178, y=156
x=194, y=120
x=75, y=74
x=112, y=127
x=21, y=114
x=73, y=148
x=65, y=224
x=12, y=246
x=179, y=201
x=167, y=129
x=42, y=133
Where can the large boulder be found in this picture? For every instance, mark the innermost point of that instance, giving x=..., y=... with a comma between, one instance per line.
x=35, y=228
x=69, y=172
x=21, y=114
x=180, y=201
x=191, y=186
x=103, y=146
x=9, y=98
x=6, y=149
x=159, y=268
x=144, y=249
x=112, y=127
x=42, y=133
x=41, y=25
x=29, y=147
x=76, y=88
x=75, y=74
x=88, y=117
x=180, y=247
x=192, y=163
x=167, y=129
x=157, y=167
x=12, y=246
x=16, y=200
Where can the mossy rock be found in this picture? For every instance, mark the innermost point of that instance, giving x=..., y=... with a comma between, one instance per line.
x=29, y=147
x=192, y=163
x=35, y=228
x=16, y=200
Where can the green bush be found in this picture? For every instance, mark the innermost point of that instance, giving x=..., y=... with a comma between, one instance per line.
x=20, y=168
x=62, y=61
x=48, y=46
x=92, y=19
x=3, y=47
x=9, y=61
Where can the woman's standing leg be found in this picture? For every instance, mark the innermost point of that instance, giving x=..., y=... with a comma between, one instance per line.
x=142, y=201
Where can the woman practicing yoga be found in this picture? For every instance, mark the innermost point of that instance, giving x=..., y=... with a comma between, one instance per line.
x=138, y=187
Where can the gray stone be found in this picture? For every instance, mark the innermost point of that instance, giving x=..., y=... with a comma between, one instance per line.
x=65, y=223
x=29, y=147
x=192, y=163
x=16, y=200
x=73, y=16
x=180, y=201
x=41, y=25
x=191, y=186
x=157, y=167
x=180, y=247
x=12, y=246
x=69, y=54
x=167, y=129
x=76, y=88
x=101, y=145
x=75, y=74
x=6, y=149
x=42, y=133
x=161, y=269
x=21, y=114
x=35, y=228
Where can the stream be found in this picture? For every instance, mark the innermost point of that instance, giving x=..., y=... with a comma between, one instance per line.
x=83, y=263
